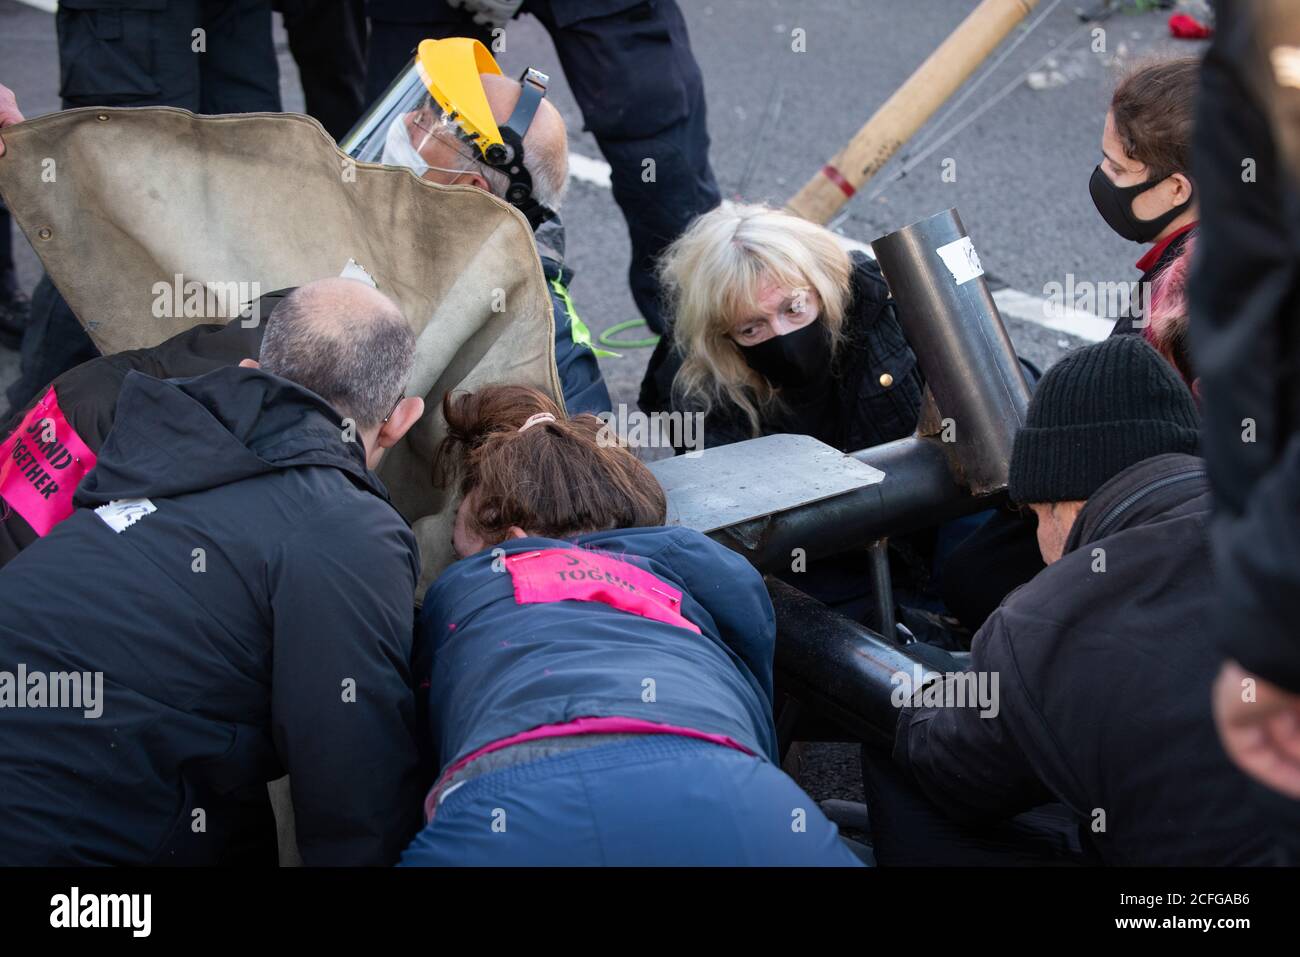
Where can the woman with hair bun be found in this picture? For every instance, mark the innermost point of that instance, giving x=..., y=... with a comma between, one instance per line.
x=601, y=685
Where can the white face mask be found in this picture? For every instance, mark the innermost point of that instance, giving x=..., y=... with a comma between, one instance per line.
x=398, y=150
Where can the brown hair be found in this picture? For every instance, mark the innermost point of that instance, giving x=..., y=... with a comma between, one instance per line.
x=556, y=479
x=1154, y=113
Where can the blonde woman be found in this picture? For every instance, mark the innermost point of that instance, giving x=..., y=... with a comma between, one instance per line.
x=780, y=330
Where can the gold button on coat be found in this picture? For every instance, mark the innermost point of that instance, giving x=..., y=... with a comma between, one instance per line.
x=886, y=379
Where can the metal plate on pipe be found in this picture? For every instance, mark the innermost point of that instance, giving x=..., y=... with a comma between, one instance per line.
x=747, y=480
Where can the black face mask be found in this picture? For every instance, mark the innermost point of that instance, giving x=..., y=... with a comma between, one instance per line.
x=1115, y=203
x=794, y=359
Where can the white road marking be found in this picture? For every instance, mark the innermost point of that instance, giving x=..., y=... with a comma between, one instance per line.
x=1075, y=322
x=1011, y=302
x=1020, y=305
x=589, y=170
x=49, y=6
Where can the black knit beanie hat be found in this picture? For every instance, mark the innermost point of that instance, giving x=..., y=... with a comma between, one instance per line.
x=1096, y=412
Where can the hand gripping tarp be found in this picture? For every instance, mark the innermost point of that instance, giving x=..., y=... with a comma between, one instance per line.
x=115, y=201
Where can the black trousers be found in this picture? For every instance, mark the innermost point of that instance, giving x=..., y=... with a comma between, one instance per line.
x=990, y=563
x=53, y=342
x=117, y=55
x=642, y=97
x=7, y=268
x=328, y=41
x=908, y=831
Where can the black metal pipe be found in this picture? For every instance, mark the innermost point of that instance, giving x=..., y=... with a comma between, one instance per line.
x=950, y=320
x=842, y=669
x=882, y=586
x=919, y=491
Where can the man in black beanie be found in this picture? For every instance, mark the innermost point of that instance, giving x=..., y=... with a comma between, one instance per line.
x=1100, y=667
x=1098, y=411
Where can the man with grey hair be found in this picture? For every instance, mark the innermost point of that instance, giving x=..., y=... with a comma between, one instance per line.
x=631, y=71
x=352, y=346
x=237, y=580
x=546, y=146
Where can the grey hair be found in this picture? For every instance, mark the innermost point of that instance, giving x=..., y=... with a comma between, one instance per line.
x=550, y=172
x=549, y=169
x=359, y=362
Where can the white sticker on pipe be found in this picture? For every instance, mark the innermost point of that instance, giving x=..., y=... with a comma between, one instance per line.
x=961, y=259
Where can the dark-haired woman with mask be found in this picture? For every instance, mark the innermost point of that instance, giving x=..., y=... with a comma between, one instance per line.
x=781, y=330
x=1143, y=186
x=1143, y=190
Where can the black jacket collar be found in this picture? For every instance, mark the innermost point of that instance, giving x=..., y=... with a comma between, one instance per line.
x=1140, y=492
x=176, y=436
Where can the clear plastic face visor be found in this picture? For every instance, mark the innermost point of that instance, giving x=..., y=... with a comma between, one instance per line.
x=407, y=127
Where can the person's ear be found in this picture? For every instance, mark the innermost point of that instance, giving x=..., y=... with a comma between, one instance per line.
x=406, y=414
x=477, y=180
x=249, y=364
x=1182, y=188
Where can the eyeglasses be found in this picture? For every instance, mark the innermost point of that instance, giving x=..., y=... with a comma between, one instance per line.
x=798, y=309
x=438, y=127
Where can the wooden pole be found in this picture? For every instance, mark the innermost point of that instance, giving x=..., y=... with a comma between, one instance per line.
x=910, y=106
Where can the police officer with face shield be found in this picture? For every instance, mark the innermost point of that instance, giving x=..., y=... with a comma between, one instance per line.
x=452, y=118
x=630, y=66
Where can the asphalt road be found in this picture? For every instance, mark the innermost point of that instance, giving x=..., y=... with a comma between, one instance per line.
x=1022, y=148
x=775, y=115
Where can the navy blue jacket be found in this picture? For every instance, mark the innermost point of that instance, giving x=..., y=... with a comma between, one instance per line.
x=501, y=668
x=231, y=625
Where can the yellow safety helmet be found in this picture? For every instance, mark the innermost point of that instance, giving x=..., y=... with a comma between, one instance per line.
x=440, y=93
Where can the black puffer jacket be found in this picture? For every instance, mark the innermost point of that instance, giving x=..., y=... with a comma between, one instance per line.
x=1103, y=696
x=872, y=393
